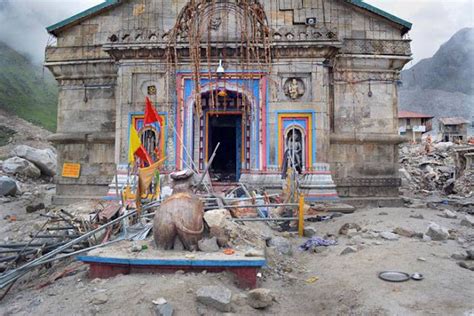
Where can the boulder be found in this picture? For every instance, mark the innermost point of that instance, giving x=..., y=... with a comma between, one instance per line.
x=217, y=297
x=22, y=167
x=7, y=186
x=404, y=232
x=389, y=236
x=44, y=159
x=260, y=298
x=436, y=232
x=216, y=218
x=309, y=232
x=448, y=214
x=208, y=245
x=282, y=245
x=348, y=250
x=467, y=221
x=164, y=309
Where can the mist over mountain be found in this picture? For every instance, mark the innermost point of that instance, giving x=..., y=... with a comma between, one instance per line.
x=443, y=85
x=26, y=89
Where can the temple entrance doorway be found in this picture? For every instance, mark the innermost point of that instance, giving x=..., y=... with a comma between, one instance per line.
x=225, y=129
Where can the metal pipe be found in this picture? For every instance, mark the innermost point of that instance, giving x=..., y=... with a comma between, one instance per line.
x=263, y=205
x=15, y=274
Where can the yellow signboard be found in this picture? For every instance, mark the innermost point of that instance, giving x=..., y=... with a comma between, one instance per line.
x=71, y=170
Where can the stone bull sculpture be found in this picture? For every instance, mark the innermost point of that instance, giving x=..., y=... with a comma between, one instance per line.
x=179, y=216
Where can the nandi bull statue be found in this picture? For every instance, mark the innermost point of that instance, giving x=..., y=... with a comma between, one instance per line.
x=180, y=215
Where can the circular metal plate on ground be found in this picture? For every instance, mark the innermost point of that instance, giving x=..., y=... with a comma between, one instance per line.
x=417, y=276
x=394, y=276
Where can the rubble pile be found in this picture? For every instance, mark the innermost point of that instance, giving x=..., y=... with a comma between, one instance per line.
x=427, y=168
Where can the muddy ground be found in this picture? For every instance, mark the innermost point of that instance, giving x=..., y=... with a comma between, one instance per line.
x=346, y=284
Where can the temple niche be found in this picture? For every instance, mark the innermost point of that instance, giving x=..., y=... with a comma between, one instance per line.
x=269, y=80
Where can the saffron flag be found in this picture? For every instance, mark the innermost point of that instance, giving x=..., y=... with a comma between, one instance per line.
x=136, y=148
x=151, y=116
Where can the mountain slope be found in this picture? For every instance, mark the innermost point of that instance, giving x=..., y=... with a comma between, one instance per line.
x=443, y=85
x=26, y=90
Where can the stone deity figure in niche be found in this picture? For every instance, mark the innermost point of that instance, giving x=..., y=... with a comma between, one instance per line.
x=295, y=150
x=293, y=91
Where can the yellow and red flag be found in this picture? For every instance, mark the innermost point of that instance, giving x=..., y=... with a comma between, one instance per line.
x=136, y=148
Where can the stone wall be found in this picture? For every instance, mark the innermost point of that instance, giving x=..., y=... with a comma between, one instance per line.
x=104, y=62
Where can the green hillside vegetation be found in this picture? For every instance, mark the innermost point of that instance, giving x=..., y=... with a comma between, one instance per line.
x=26, y=90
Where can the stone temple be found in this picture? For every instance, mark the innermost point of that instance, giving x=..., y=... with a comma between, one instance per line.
x=257, y=76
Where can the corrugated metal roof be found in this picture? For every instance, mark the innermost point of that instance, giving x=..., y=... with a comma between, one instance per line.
x=453, y=120
x=408, y=114
x=108, y=4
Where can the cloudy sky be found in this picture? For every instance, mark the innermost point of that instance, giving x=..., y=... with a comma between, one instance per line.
x=22, y=22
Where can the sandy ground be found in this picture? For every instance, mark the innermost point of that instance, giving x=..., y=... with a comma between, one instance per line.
x=346, y=285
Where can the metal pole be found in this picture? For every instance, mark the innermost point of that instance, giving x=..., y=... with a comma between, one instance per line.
x=209, y=163
x=14, y=274
x=301, y=216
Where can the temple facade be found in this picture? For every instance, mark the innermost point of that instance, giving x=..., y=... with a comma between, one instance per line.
x=313, y=78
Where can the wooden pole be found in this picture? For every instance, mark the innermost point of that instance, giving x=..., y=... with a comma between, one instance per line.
x=301, y=216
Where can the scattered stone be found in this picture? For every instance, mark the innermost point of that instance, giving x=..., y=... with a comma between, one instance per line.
x=348, y=250
x=417, y=216
x=426, y=238
x=44, y=159
x=208, y=245
x=159, y=301
x=320, y=249
x=466, y=265
x=35, y=207
x=467, y=221
x=459, y=256
x=179, y=272
x=421, y=259
x=136, y=248
x=99, y=299
x=217, y=297
x=356, y=240
x=309, y=232
x=470, y=254
x=252, y=252
x=22, y=167
x=448, y=187
x=436, y=232
x=282, y=245
x=383, y=213
x=344, y=230
x=403, y=232
x=7, y=186
x=448, y=214
x=389, y=236
x=260, y=298
x=239, y=299
x=216, y=218
x=164, y=310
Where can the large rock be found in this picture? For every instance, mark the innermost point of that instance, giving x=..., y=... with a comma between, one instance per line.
x=260, y=298
x=44, y=159
x=20, y=166
x=436, y=232
x=208, y=245
x=7, y=186
x=467, y=221
x=282, y=245
x=215, y=296
x=216, y=218
x=219, y=225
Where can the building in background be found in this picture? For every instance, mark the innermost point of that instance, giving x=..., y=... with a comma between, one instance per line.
x=453, y=129
x=260, y=77
x=413, y=124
